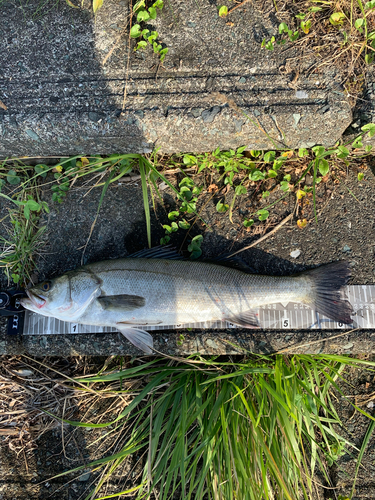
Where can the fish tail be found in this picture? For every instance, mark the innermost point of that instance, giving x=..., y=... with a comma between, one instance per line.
x=327, y=295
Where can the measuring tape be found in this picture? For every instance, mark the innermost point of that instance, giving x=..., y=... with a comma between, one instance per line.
x=273, y=316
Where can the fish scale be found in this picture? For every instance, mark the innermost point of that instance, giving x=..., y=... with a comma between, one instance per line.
x=184, y=292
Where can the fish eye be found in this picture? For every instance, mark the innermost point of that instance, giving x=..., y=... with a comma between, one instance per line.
x=46, y=286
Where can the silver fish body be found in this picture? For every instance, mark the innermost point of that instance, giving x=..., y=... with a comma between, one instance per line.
x=130, y=292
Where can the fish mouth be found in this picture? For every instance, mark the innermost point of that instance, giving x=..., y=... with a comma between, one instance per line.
x=35, y=300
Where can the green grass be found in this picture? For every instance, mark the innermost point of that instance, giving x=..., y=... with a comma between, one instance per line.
x=261, y=428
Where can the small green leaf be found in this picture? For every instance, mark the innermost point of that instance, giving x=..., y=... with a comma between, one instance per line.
x=293, y=36
x=283, y=28
x=284, y=186
x=41, y=170
x=173, y=215
x=240, y=190
x=370, y=128
x=189, y=160
x=369, y=58
x=277, y=164
x=163, y=53
x=223, y=11
x=359, y=23
x=152, y=12
x=186, y=181
x=368, y=148
x=153, y=37
x=157, y=47
x=360, y=176
x=357, y=143
x=315, y=9
x=135, y=31
x=305, y=26
x=337, y=18
x=265, y=194
x=145, y=33
x=195, y=247
x=165, y=240
x=318, y=150
x=184, y=224
x=13, y=178
x=303, y=152
x=159, y=4
x=26, y=212
x=248, y=222
x=263, y=214
x=255, y=153
x=323, y=167
x=64, y=187
x=142, y=16
x=16, y=278
x=256, y=175
x=141, y=45
x=287, y=177
x=45, y=206
x=272, y=174
x=222, y=207
x=269, y=156
x=186, y=193
x=370, y=5
x=343, y=152
x=301, y=16
x=33, y=205
x=269, y=46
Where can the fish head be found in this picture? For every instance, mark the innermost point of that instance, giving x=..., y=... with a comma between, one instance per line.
x=65, y=297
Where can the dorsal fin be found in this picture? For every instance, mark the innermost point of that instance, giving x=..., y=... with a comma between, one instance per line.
x=160, y=252
x=233, y=262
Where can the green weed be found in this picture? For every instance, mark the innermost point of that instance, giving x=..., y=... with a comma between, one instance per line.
x=149, y=37
x=342, y=29
x=20, y=246
x=259, y=428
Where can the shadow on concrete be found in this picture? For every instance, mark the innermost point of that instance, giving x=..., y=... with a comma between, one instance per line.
x=53, y=85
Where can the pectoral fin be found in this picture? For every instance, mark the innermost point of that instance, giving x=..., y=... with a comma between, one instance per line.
x=137, y=337
x=247, y=319
x=121, y=302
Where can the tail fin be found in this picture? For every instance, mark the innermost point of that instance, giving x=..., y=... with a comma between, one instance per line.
x=327, y=296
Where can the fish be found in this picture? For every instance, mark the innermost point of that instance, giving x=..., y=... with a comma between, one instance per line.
x=158, y=287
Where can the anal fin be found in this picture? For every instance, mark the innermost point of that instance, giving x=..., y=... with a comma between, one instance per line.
x=246, y=319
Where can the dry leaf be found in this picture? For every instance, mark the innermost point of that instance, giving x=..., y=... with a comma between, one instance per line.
x=2, y=105
x=212, y=188
x=287, y=154
x=85, y=161
x=300, y=194
x=71, y=4
x=96, y=4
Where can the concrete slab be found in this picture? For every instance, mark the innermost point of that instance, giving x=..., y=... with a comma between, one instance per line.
x=63, y=78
